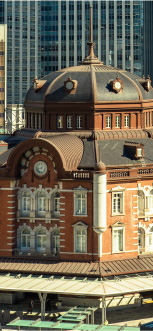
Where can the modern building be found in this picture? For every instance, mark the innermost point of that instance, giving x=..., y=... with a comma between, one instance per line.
x=3, y=75
x=117, y=32
x=45, y=36
x=148, y=37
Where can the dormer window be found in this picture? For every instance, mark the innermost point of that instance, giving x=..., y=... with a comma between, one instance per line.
x=135, y=149
x=38, y=84
x=70, y=85
x=139, y=152
x=146, y=83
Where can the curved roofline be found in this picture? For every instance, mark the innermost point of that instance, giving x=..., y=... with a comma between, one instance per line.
x=15, y=156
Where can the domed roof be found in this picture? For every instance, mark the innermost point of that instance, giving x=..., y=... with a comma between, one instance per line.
x=92, y=82
x=94, y=85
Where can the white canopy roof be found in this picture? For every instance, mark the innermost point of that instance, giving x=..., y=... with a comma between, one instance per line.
x=75, y=286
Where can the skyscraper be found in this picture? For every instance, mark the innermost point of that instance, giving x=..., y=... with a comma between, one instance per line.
x=148, y=38
x=23, y=47
x=3, y=74
x=117, y=33
x=57, y=33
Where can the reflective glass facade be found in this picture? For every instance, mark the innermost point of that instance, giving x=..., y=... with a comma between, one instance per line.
x=117, y=32
x=45, y=36
x=23, y=47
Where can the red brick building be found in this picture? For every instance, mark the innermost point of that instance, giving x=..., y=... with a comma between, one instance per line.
x=77, y=183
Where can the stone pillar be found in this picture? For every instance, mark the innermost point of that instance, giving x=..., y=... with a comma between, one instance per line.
x=99, y=203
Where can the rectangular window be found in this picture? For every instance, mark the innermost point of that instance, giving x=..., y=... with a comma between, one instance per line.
x=139, y=152
x=41, y=204
x=79, y=122
x=118, y=239
x=31, y=121
x=81, y=204
x=108, y=122
x=117, y=121
x=141, y=203
x=57, y=203
x=126, y=121
x=59, y=122
x=69, y=122
x=25, y=204
x=80, y=241
x=117, y=201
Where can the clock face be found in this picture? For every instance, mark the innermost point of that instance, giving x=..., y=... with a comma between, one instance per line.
x=40, y=168
x=118, y=85
x=69, y=85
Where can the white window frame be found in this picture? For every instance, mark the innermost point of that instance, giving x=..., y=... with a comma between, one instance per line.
x=57, y=203
x=116, y=197
x=80, y=227
x=126, y=121
x=108, y=121
x=115, y=229
x=80, y=197
x=42, y=247
x=41, y=201
x=79, y=122
x=141, y=203
x=27, y=238
x=60, y=122
x=69, y=122
x=150, y=202
x=117, y=121
x=141, y=240
x=26, y=202
x=56, y=241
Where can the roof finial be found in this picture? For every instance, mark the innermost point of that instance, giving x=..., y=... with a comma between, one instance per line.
x=91, y=24
x=90, y=43
x=91, y=58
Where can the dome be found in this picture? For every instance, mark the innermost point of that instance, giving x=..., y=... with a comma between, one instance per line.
x=94, y=85
x=90, y=96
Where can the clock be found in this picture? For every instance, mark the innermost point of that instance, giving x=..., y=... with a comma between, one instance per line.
x=117, y=85
x=69, y=85
x=40, y=168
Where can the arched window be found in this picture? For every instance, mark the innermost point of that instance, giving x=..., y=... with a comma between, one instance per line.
x=56, y=203
x=150, y=200
x=25, y=202
x=41, y=240
x=55, y=241
x=141, y=240
x=25, y=239
x=41, y=203
x=150, y=241
x=141, y=202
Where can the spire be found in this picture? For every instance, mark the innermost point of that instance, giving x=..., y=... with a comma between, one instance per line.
x=91, y=58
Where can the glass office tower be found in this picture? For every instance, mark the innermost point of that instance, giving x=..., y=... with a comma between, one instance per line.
x=148, y=38
x=44, y=36
x=23, y=19
x=117, y=32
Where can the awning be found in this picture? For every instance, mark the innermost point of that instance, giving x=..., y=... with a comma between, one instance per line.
x=74, y=286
